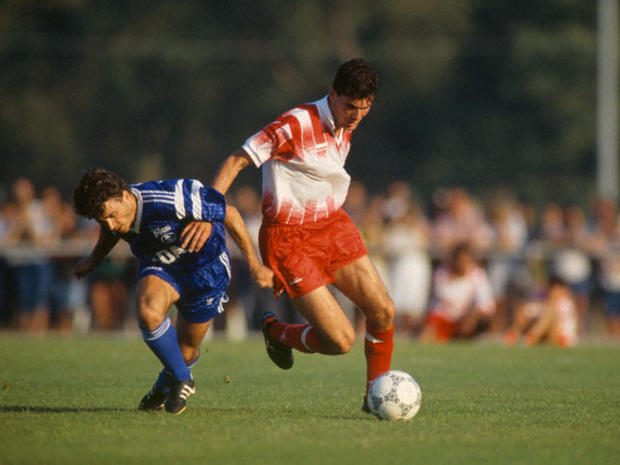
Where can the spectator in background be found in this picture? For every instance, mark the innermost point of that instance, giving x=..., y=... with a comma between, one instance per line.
x=460, y=221
x=605, y=244
x=509, y=239
x=462, y=304
x=406, y=243
x=552, y=228
x=27, y=225
x=67, y=293
x=571, y=261
x=372, y=230
x=552, y=319
x=7, y=210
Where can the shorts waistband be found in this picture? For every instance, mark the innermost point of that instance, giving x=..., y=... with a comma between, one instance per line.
x=267, y=223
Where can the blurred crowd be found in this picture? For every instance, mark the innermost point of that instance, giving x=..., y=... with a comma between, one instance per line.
x=456, y=267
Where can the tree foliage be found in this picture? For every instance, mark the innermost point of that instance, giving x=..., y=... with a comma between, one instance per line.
x=475, y=93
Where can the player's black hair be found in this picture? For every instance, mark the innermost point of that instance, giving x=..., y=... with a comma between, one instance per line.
x=356, y=78
x=96, y=187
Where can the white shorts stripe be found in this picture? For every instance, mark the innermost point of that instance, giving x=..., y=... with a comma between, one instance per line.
x=226, y=262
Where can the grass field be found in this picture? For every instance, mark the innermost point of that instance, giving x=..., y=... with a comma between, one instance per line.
x=73, y=401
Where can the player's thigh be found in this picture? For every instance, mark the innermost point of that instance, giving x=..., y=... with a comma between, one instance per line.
x=154, y=298
x=324, y=313
x=360, y=282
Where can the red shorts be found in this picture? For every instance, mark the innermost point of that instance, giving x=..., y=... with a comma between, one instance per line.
x=441, y=328
x=304, y=256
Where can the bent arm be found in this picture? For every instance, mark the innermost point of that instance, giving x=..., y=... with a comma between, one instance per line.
x=105, y=243
x=240, y=234
x=230, y=169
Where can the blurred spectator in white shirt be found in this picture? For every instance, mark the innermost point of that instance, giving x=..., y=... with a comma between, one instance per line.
x=29, y=228
x=407, y=241
x=462, y=302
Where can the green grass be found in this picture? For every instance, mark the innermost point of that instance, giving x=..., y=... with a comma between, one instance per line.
x=72, y=401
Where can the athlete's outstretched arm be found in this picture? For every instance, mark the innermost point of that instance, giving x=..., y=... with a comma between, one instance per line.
x=104, y=244
x=240, y=234
x=230, y=169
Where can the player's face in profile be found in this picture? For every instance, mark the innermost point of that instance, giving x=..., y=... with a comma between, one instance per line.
x=347, y=111
x=119, y=213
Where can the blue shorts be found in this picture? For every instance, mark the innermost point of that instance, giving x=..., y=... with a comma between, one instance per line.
x=202, y=290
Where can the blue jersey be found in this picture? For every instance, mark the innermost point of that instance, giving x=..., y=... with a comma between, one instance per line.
x=164, y=208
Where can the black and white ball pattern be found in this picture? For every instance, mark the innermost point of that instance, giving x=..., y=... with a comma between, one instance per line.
x=395, y=395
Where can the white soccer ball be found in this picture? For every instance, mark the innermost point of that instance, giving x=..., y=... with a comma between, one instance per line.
x=395, y=395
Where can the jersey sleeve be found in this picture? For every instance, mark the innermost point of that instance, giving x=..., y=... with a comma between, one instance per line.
x=276, y=140
x=194, y=201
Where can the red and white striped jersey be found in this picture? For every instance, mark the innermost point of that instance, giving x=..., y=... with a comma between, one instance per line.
x=302, y=157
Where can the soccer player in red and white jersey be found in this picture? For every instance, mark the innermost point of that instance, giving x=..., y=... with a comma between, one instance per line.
x=306, y=237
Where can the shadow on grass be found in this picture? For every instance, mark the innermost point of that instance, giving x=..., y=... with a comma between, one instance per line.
x=294, y=414
x=220, y=410
x=37, y=409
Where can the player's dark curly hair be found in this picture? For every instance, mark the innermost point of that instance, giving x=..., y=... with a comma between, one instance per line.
x=95, y=188
x=356, y=78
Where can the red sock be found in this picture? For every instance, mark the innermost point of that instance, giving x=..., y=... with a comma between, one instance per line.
x=378, y=346
x=300, y=337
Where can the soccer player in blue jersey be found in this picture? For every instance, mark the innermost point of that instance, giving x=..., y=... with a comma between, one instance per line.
x=176, y=228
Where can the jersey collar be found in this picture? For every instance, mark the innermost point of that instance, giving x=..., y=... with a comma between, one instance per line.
x=326, y=114
x=135, y=227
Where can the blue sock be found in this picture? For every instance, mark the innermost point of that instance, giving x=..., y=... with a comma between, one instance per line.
x=161, y=379
x=163, y=342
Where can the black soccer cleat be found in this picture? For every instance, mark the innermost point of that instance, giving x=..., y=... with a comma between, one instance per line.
x=177, y=397
x=365, y=406
x=156, y=397
x=279, y=353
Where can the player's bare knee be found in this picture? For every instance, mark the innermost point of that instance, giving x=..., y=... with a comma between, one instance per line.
x=382, y=317
x=343, y=343
x=148, y=316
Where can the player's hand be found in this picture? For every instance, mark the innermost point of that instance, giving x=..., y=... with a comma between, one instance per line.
x=83, y=267
x=262, y=275
x=195, y=235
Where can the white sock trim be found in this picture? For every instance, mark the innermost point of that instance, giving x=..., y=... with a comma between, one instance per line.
x=304, y=334
x=370, y=338
x=157, y=332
